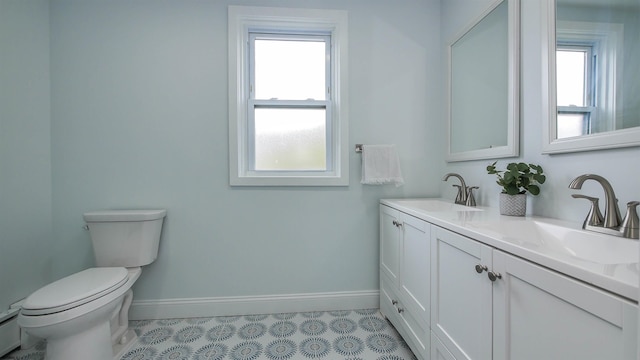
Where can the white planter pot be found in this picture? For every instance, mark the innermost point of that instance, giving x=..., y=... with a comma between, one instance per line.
x=513, y=205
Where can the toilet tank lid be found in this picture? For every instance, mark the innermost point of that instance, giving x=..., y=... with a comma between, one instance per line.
x=124, y=215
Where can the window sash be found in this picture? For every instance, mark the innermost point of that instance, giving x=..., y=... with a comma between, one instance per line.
x=289, y=36
x=587, y=112
x=288, y=104
x=589, y=90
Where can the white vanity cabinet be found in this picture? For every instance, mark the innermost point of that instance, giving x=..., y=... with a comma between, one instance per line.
x=541, y=314
x=524, y=311
x=460, y=296
x=405, y=276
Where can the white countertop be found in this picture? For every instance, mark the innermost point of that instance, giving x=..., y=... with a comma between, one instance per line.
x=620, y=275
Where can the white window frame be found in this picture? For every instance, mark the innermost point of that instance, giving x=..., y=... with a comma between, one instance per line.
x=242, y=20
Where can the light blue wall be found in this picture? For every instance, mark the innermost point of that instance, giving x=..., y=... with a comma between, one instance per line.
x=620, y=166
x=25, y=161
x=139, y=119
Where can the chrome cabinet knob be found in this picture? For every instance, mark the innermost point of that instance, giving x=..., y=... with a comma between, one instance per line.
x=480, y=268
x=493, y=276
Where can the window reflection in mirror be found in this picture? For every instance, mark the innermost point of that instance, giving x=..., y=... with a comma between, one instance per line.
x=597, y=72
x=575, y=92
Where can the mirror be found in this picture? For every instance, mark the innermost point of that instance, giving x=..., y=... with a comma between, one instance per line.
x=483, y=87
x=594, y=76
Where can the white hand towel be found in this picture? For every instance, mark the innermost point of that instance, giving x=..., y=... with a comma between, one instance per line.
x=380, y=165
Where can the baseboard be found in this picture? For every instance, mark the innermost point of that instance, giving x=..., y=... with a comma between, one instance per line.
x=9, y=335
x=252, y=305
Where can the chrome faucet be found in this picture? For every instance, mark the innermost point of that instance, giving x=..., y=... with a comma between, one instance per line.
x=465, y=193
x=611, y=223
x=611, y=212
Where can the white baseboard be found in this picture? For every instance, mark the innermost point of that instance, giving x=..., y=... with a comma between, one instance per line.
x=9, y=335
x=252, y=305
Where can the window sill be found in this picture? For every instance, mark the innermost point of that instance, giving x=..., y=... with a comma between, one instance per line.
x=334, y=180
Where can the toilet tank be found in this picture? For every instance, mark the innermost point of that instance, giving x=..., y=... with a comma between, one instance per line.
x=127, y=238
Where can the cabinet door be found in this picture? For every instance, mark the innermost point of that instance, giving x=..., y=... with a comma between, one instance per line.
x=541, y=314
x=460, y=296
x=415, y=272
x=389, y=243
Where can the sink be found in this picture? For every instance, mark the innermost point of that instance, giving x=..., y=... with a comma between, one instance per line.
x=434, y=205
x=556, y=239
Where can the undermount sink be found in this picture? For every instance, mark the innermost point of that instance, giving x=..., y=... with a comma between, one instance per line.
x=434, y=205
x=552, y=238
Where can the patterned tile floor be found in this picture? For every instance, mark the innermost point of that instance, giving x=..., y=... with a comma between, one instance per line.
x=331, y=335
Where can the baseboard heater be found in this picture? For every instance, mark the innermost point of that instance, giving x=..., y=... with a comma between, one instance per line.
x=9, y=330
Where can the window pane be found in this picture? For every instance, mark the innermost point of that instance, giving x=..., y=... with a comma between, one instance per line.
x=572, y=125
x=571, y=77
x=290, y=139
x=290, y=70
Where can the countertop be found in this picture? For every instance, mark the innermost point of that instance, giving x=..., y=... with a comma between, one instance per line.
x=485, y=225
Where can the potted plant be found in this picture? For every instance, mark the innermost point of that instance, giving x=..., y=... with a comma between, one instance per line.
x=516, y=181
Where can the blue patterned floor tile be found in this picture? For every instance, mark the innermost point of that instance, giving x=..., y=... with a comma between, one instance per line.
x=361, y=334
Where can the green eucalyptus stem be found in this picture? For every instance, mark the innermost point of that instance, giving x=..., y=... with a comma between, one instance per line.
x=519, y=178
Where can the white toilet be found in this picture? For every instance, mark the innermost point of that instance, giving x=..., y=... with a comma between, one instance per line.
x=86, y=315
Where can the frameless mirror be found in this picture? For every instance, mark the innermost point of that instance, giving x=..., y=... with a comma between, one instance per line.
x=483, y=87
x=594, y=75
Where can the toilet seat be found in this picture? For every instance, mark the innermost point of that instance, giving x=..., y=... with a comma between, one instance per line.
x=75, y=290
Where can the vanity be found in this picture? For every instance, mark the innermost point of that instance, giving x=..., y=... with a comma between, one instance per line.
x=463, y=282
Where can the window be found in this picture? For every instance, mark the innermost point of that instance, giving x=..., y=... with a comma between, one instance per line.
x=588, y=64
x=287, y=97
x=289, y=107
x=575, y=85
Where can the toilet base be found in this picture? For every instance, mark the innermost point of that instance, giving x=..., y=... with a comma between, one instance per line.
x=88, y=344
x=125, y=344
x=67, y=348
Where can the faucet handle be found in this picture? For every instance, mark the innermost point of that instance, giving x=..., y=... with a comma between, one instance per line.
x=461, y=197
x=629, y=227
x=594, y=217
x=471, y=200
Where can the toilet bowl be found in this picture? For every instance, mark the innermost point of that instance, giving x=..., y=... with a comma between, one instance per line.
x=74, y=313
x=85, y=315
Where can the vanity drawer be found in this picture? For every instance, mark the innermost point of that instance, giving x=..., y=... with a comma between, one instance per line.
x=408, y=325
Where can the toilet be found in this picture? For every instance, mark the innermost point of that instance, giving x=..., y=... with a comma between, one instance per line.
x=86, y=315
